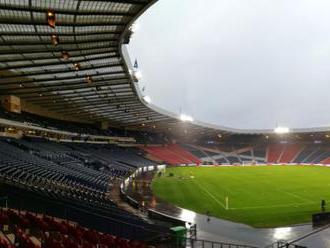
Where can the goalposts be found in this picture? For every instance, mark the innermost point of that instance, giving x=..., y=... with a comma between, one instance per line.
x=248, y=162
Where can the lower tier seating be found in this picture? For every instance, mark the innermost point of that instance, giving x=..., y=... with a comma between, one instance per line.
x=30, y=230
x=75, y=177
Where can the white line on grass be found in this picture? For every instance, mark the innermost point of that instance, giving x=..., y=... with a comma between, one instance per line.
x=274, y=206
x=296, y=196
x=210, y=194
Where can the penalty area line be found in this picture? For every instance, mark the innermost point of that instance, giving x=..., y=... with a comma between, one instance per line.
x=296, y=196
x=211, y=195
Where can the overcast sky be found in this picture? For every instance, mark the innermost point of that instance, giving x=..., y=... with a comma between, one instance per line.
x=238, y=63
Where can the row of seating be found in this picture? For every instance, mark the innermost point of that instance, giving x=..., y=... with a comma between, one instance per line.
x=271, y=153
x=30, y=230
x=171, y=154
x=64, y=172
x=82, y=128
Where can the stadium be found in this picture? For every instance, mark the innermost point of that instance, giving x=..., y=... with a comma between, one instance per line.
x=88, y=161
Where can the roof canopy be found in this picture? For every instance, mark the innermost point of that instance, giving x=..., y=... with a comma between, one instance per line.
x=67, y=57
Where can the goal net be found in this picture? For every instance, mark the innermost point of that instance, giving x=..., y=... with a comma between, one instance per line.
x=249, y=162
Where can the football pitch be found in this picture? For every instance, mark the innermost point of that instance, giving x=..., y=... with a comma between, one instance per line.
x=260, y=196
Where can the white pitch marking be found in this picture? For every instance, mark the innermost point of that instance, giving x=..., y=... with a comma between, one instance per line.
x=273, y=206
x=210, y=194
x=297, y=196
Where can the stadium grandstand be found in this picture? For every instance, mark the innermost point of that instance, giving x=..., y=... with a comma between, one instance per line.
x=81, y=147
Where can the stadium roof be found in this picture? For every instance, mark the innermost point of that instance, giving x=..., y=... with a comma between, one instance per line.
x=70, y=57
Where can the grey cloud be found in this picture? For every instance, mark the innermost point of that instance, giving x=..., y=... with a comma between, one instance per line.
x=238, y=63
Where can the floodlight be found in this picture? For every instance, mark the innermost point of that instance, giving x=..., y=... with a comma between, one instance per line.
x=76, y=66
x=281, y=130
x=134, y=27
x=54, y=39
x=137, y=75
x=65, y=55
x=51, y=18
x=184, y=117
x=147, y=99
x=89, y=79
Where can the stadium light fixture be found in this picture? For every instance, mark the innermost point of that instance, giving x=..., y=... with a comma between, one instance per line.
x=134, y=27
x=184, y=117
x=51, y=19
x=54, y=39
x=137, y=75
x=281, y=130
x=147, y=99
x=76, y=66
x=89, y=79
x=65, y=55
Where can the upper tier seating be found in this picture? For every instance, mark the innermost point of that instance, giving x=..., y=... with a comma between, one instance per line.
x=274, y=152
x=269, y=153
x=326, y=161
x=196, y=152
x=289, y=153
x=117, y=157
x=306, y=154
x=82, y=128
x=51, y=123
x=172, y=154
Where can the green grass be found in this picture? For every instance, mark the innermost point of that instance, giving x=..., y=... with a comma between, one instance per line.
x=260, y=196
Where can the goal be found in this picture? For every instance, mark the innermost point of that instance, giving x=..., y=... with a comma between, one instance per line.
x=249, y=162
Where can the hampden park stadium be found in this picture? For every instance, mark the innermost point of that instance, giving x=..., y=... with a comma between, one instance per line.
x=87, y=160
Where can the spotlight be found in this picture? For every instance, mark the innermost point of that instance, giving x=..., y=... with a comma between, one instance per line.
x=281, y=130
x=89, y=79
x=51, y=19
x=184, y=117
x=134, y=27
x=65, y=55
x=137, y=75
x=76, y=66
x=147, y=99
x=54, y=39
